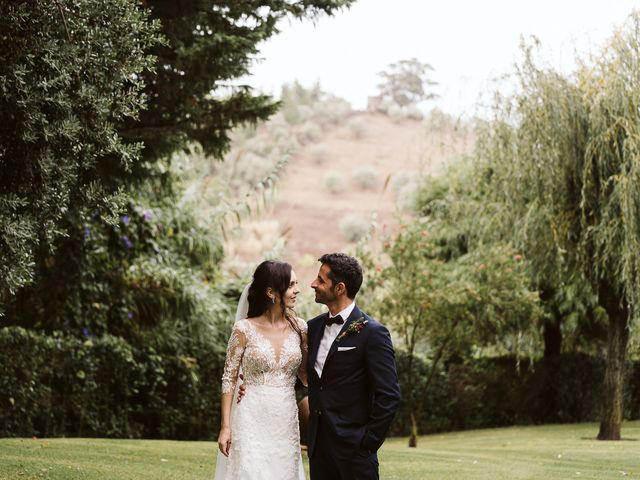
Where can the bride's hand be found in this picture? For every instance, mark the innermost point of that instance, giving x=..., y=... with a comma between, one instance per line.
x=224, y=441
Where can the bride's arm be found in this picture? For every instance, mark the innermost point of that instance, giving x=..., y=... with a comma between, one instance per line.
x=235, y=351
x=304, y=347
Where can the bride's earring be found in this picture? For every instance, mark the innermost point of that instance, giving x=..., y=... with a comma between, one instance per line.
x=273, y=300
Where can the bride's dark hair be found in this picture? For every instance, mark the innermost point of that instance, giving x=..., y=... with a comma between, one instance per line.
x=273, y=274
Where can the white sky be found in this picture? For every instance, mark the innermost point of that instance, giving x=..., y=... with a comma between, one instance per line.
x=468, y=42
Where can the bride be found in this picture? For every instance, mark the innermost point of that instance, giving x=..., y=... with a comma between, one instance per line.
x=259, y=438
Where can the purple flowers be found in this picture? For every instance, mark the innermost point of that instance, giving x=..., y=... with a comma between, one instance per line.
x=129, y=315
x=147, y=215
x=86, y=332
x=126, y=242
x=87, y=232
x=125, y=220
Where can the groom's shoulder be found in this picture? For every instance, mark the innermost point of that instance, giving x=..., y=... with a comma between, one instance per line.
x=316, y=319
x=370, y=320
x=374, y=324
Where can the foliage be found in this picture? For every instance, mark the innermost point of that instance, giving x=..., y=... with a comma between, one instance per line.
x=319, y=153
x=560, y=160
x=137, y=271
x=435, y=292
x=354, y=227
x=366, y=177
x=357, y=127
x=102, y=386
x=445, y=303
x=407, y=82
x=71, y=73
x=334, y=181
x=492, y=392
x=209, y=44
x=300, y=104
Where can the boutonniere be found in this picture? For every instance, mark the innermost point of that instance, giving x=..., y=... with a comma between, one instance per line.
x=354, y=327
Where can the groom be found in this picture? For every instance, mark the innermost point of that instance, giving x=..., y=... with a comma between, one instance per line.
x=353, y=383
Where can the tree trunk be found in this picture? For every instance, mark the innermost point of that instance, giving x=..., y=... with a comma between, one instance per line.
x=552, y=333
x=612, y=400
x=413, y=436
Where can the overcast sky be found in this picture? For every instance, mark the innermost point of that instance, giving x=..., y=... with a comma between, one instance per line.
x=468, y=43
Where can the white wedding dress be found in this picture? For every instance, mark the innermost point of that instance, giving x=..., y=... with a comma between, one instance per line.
x=265, y=437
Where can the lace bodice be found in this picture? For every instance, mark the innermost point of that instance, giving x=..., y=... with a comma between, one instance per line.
x=261, y=364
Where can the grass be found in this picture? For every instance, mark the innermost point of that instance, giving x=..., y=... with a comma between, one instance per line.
x=541, y=452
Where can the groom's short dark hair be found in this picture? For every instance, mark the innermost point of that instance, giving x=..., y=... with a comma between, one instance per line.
x=345, y=269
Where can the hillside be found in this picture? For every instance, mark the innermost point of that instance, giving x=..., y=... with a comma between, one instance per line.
x=308, y=215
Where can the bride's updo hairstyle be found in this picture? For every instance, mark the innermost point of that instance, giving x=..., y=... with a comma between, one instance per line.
x=273, y=274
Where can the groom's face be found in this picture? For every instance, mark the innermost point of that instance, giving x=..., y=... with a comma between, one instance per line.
x=323, y=286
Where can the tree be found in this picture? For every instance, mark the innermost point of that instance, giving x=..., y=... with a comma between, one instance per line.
x=194, y=95
x=69, y=75
x=76, y=80
x=445, y=296
x=407, y=82
x=562, y=159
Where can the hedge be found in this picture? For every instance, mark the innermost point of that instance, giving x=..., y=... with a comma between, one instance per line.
x=103, y=387
x=495, y=392
x=61, y=386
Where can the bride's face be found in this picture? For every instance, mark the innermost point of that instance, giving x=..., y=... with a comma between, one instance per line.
x=292, y=292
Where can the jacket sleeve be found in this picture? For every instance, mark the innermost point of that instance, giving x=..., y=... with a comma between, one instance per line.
x=381, y=370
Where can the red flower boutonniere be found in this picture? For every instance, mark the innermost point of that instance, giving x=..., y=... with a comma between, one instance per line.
x=354, y=327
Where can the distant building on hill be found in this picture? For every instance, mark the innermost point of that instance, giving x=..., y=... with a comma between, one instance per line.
x=374, y=104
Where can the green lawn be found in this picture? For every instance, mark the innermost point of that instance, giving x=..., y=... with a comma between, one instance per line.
x=546, y=452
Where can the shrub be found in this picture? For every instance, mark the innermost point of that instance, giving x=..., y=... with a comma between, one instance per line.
x=354, y=227
x=366, y=177
x=310, y=132
x=396, y=113
x=104, y=387
x=318, y=153
x=406, y=198
x=413, y=112
x=493, y=392
x=251, y=169
x=332, y=111
x=358, y=127
x=400, y=179
x=334, y=182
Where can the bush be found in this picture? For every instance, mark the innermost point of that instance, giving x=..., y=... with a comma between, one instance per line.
x=103, y=387
x=318, y=153
x=354, y=227
x=332, y=111
x=334, y=182
x=310, y=132
x=366, y=177
x=492, y=392
x=358, y=127
x=399, y=181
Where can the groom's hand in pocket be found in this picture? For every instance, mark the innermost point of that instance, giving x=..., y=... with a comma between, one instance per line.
x=241, y=388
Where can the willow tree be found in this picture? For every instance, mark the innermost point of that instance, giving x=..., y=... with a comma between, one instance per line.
x=562, y=157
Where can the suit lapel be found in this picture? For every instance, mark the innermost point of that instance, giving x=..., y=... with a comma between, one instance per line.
x=315, y=340
x=355, y=314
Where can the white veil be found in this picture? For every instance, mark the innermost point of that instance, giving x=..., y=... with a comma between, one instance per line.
x=243, y=304
x=241, y=312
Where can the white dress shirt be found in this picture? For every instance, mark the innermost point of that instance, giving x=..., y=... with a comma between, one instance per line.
x=330, y=334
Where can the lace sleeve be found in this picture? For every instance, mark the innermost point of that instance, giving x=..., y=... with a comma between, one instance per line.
x=304, y=348
x=235, y=351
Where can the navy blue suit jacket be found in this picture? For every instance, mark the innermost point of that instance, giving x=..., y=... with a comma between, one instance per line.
x=358, y=393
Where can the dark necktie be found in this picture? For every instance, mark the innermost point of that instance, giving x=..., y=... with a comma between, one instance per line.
x=337, y=320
